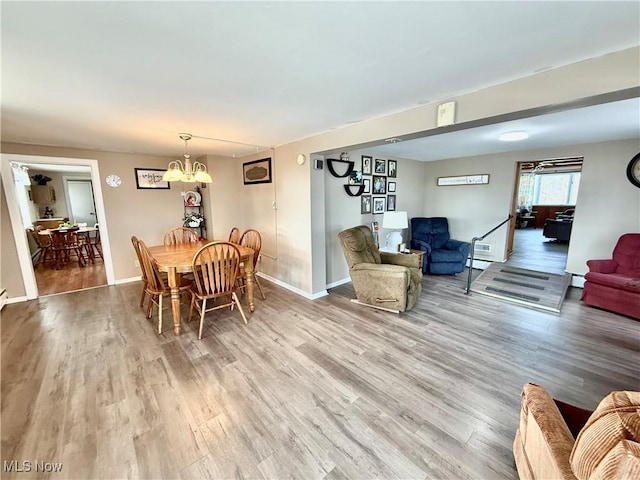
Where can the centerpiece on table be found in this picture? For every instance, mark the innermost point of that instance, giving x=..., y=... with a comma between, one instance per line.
x=193, y=220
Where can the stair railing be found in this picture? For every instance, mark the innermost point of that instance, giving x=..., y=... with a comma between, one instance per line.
x=473, y=250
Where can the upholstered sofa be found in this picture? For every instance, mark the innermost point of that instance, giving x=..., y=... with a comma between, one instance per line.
x=555, y=440
x=443, y=256
x=391, y=281
x=559, y=230
x=614, y=284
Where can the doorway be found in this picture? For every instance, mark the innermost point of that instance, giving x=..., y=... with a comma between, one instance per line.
x=81, y=203
x=544, y=202
x=19, y=225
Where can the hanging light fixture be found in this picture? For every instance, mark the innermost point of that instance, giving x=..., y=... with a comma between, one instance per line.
x=178, y=171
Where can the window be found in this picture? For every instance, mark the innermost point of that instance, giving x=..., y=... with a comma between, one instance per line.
x=556, y=189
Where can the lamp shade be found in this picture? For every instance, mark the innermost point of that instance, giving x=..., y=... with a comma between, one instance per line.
x=395, y=220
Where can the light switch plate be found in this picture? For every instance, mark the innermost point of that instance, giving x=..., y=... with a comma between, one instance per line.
x=446, y=114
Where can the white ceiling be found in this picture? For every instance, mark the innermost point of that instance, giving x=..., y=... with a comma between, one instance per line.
x=129, y=76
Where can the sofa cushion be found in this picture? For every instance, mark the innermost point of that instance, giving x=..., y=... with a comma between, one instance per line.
x=627, y=254
x=607, y=447
x=615, y=280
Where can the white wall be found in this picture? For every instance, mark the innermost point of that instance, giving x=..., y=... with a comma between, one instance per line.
x=608, y=204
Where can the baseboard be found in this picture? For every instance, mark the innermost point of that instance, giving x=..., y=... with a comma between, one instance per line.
x=127, y=280
x=480, y=264
x=17, y=299
x=302, y=293
x=577, y=281
x=338, y=283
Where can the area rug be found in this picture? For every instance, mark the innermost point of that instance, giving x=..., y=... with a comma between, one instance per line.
x=539, y=290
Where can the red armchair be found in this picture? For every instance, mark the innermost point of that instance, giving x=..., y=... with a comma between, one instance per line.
x=614, y=284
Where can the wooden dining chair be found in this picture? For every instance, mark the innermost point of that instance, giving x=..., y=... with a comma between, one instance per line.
x=251, y=238
x=136, y=246
x=178, y=235
x=44, y=244
x=64, y=244
x=156, y=286
x=234, y=236
x=215, y=268
x=95, y=244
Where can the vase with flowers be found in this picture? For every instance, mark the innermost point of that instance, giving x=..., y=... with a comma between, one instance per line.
x=193, y=220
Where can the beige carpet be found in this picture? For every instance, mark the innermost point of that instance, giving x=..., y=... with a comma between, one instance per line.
x=540, y=290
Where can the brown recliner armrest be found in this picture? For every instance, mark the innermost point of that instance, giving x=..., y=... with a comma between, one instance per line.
x=406, y=260
x=543, y=442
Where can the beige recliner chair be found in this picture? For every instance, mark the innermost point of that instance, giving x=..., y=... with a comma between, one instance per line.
x=390, y=281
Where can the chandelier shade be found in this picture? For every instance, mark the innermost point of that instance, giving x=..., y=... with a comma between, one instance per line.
x=179, y=171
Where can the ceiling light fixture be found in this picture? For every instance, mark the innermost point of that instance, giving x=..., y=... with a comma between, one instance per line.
x=186, y=172
x=393, y=140
x=513, y=136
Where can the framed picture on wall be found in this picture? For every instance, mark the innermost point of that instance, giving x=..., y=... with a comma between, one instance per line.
x=367, y=185
x=258, y=171
x=366, y=164
x=391, y=186
x=379, y=204
x=380, y=167
x=391, y=203
x=150, y=178
x=393, y=168
x=365, y=204
x=379, y=184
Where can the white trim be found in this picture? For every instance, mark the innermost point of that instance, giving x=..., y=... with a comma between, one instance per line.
x=128, y=280
x=338, y=283
x=479, y=264
x=17, y=300
x=3, y=298
x=19, y=233
x=577, y=281
x=302, y=293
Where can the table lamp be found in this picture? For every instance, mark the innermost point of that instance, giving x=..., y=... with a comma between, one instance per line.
x=394, y=221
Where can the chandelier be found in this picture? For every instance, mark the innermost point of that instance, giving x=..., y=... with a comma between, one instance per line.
x=177, y=171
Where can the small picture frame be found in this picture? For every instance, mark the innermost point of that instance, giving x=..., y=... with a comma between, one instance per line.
x=258, y=171
x=355, y=177
x=379, y=184
x=366, y=164
x=365, y=204
x=392, y=169
x=380, y=167
x=391, y=186
x=367, y=185
x=150, y=178
x=391, y=203
x=379, y=205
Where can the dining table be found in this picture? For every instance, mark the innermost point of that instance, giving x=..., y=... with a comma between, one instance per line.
x=176, y=260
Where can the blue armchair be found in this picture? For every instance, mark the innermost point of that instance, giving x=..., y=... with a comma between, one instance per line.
x=443, y=256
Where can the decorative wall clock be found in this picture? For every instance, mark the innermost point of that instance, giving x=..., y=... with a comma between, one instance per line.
x=633, y=170
x=113, y=180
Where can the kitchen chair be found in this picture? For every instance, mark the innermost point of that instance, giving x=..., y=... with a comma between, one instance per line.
x=179, y=235
x=95, y=244
x=63, y=245
x=251, y=238
x=44, y=244
x=234, y=235
x=136, y=248
x=156, y=285
x=215, y=268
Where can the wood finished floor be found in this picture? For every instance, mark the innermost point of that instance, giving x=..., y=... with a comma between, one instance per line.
x=70, y=277
x=322, y=389
x=533, y=251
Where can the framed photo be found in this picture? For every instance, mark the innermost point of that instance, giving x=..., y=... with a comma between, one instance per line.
x=391, y=203
x=380, y=167
x=258, y=171
x=150, y=178
x=379, y=184
x=393, y=169
x=391, y=186
x=367, y=185
x=379, y=204
x=365, y=204
x=355, y=177
x=366, y=164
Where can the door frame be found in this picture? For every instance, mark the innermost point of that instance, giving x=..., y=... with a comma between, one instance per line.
x=19, y=232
